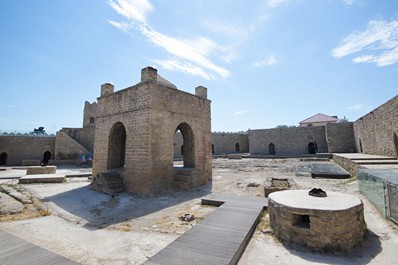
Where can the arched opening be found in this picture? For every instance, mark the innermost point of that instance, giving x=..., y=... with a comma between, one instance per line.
x=237, y=147
x=188, y=146
x=178, y=142
x=271, y=149
x=311, y=148
x=117, y=146
x=360, y=146
x=212, y=148
x=3, y=159
x=396, y=143
x=46, y=157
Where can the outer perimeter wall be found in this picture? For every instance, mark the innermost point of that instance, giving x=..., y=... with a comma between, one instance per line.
x=376, y=133
x=287, y=141
x=19, y=148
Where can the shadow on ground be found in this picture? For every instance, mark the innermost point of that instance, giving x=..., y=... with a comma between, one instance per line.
x=371, y=247
x=101, y=210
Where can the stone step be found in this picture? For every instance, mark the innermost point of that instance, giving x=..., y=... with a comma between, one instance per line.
x=184, y=178
x=183, y=171
x=110, y=183
x=180, y=185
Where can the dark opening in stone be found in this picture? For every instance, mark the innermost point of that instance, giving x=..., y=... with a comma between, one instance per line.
x=317, y=192
x=302, y=221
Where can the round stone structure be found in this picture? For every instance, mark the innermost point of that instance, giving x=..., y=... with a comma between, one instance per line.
x=332, y=223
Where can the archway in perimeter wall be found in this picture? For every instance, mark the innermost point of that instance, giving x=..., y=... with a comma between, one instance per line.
x=237, y=147
x=188, y=146
x=271, y=149
x=46, y=157
x=396, y=143
x=3, y=159
x=311, y=148
x=117, y=146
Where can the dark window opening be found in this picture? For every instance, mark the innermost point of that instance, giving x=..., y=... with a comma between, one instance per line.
x=302, y=221
x=237, y=147
x=311, y=148
x=271, y=149
x=3, y=159
x=92, y=119
x=46, y=157
x=212, y=148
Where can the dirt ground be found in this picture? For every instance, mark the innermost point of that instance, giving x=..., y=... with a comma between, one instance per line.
x=94, y=228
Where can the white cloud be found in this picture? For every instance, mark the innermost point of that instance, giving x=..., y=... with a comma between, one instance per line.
x=350, y=2
x=271, y=60
x=379, y=41
x=132, y=9
x=240, y=112
x=176, y=65
x=193, y=55
x=356, y=107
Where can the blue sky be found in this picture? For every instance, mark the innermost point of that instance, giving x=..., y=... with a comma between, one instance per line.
x=265, y=62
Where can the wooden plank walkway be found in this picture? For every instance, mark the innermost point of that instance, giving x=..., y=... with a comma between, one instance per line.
x=14, y=250
x=221, y=238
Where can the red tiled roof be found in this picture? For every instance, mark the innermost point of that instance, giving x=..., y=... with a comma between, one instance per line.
x=319, y=118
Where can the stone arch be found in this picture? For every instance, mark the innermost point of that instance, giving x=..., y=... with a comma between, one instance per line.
x=3, y=159
x=188, y=146
x=396, y=143
x=237, y=147
x=117, y=146
x=271, y=149
x=311, y=148
x=46, y=157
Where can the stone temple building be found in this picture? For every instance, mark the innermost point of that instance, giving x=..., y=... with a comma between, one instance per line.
x=135, y=131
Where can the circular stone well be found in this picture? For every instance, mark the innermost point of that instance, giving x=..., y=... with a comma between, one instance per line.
x=332, y=223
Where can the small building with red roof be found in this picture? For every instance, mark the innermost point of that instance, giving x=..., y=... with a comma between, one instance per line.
x=318, y=120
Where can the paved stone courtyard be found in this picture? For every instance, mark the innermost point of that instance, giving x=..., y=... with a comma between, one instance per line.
x=93, y=228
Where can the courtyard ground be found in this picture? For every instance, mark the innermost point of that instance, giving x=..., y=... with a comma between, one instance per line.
x=94, y=228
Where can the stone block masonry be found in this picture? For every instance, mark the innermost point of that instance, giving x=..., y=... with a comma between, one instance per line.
x=136, y=127
x=376, y=133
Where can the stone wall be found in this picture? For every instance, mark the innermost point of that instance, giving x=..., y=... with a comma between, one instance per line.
x=229, y=143
x=66, y=148
x=287, y=141
x=222, y=143
x=340, y=138
x=376, y=133
x=19, y=148
x=84, y=136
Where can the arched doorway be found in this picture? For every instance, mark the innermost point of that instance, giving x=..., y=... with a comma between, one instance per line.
x=3, y=159
x=396, y=143
x=237, y=147
x=212, y=148
x=271, y=149
x=117, y=146
x=311, y=148
x=46, y=157
x=188, y=146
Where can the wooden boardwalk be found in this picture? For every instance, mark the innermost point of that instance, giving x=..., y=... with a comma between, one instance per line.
x=14, y=250
x=221, y=238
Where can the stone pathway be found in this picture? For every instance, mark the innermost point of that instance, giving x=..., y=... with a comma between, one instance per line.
x=219, y=239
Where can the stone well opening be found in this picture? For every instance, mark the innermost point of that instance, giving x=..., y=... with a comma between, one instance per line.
x=332, y=222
